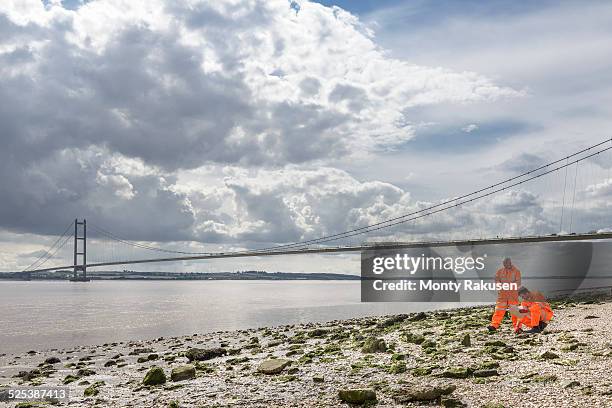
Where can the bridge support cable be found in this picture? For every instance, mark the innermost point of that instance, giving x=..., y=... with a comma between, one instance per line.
x=415, y=215
x=573, y=200
x=449, y=203
x=135, y=244
x=58, y=244
x=446, y=205
x=563, y=201
x=414, y=218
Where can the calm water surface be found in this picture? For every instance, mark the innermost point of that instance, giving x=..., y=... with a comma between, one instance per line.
x=47, y=314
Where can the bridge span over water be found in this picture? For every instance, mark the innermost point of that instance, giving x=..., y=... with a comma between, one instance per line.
x=76, y=232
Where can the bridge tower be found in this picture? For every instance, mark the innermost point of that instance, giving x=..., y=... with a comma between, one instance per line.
x=80, y=251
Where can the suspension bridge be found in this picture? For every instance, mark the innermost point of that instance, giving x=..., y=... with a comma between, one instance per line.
x=565, y=192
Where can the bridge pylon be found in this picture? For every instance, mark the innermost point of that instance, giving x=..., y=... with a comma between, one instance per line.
x=80, y=251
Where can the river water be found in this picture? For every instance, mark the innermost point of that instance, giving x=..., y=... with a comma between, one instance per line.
x=41, y=315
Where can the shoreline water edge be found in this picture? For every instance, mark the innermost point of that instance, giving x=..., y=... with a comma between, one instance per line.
x=437, y=358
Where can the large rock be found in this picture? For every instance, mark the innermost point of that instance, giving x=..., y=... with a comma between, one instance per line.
x=392, y=320
x=413, y=338
x=374, y=345
x=487, y=365
x=571, y=384
x=548, y=355
x=93, y=389
x=52, y=360
x=137, y=351
x=456, y=372
x=486, y=373
x=451, y=403
x=408, y=394
x=186, y=372
x=357, y=396
x=319, y=332
x=85, y=372
x=273, y=366
x=70, y=378
x=418, y=317
x=196, y=354
x=154, y=376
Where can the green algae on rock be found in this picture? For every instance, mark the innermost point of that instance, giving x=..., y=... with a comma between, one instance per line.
x=273, y=366
x=182, y=373
x=357, y=396
x=154, y=376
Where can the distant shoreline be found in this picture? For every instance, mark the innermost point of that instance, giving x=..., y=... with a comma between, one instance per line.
x=165, y=276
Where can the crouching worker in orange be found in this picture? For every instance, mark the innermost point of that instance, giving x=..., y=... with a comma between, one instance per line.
x=506, y=298
x=534, y=312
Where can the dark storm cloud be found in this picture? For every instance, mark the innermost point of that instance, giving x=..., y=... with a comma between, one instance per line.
x=46, y=195
x=116, y=100
x=144, y=96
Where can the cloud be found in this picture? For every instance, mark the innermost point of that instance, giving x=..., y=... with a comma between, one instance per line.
x=600, y=190
x=34, y=255
x=174, y=85
x=111, y=100
x=266, y=207
x=514, y=201
x=522, y=163
x=558, y=53
x=470, y=128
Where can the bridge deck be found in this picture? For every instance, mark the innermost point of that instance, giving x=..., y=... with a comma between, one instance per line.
x=355, y=248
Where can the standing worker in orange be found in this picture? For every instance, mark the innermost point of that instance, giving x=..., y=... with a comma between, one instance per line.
x=506, y=298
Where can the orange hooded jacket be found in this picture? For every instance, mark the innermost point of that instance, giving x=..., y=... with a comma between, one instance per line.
x=512, y=275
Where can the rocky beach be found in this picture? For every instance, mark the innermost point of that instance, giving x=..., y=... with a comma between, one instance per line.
x=443, y=358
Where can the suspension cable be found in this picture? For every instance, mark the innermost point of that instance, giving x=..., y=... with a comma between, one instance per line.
x=448, y=203
x=354, y=232
x=419, y=214
x=425, y=212
x=139, y=245
x=48, y=251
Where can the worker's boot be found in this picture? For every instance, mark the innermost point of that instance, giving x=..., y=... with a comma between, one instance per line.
x=492, y=329
x=534, y=330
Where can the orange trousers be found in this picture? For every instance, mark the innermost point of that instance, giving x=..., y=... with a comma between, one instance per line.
x=501, y=307
x=536, y=314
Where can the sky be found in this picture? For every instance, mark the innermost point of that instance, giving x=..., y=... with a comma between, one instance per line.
x=219, y=126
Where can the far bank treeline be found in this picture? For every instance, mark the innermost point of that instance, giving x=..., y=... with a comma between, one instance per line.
x=134, y=275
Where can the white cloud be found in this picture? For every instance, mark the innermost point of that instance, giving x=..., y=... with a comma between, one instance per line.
x=117, y=184
x=603, y=189
x=470, y=128
x=298, y=87
x=234, y=123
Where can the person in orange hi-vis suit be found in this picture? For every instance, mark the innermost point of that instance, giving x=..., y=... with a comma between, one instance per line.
x=535, y=312
x=506, y=298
